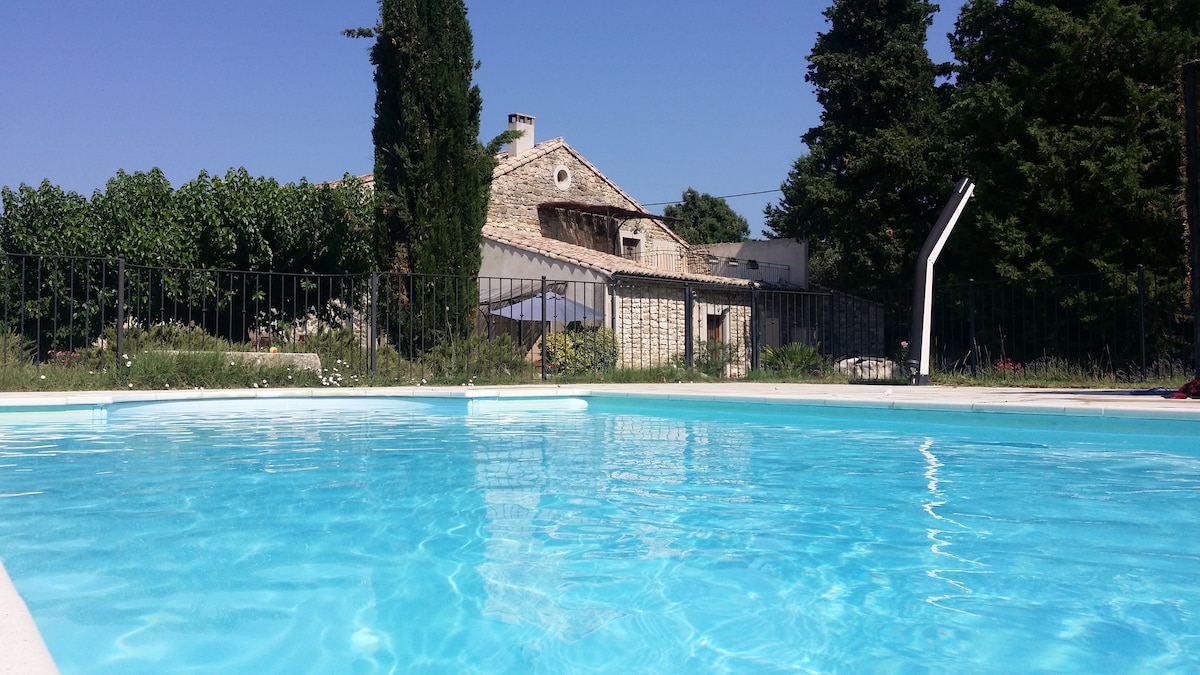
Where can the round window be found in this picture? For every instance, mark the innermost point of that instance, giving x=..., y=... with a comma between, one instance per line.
x=562, y=177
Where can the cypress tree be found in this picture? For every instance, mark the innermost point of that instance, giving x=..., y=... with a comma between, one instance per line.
x=1070, y=116
x=431, y=173
x=877, y=169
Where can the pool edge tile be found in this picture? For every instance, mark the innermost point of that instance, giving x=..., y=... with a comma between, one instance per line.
x=22, y=649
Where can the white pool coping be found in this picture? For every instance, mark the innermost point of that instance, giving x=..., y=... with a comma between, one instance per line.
x=22, y=649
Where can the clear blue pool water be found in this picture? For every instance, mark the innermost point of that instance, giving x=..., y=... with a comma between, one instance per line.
x=347, y=536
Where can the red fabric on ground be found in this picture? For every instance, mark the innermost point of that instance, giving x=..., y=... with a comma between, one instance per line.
x=1189, y=390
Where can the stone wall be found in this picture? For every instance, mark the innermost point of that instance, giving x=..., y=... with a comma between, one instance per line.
x=650, y=324
x=652, y=329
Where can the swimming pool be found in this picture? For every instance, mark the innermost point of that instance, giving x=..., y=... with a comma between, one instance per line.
x=599, y=534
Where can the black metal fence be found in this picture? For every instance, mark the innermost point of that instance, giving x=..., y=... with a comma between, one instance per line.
x=418, y=326
x=1131, y=324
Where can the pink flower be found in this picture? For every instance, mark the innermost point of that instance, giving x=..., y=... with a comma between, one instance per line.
x=904, y=344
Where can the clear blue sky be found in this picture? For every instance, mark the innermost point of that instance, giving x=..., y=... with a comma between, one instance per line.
x=660, y=95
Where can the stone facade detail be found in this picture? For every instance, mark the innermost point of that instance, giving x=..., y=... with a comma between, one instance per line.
x=521, y=184
x=517, y=190
x=549, y=201
x=652, y=326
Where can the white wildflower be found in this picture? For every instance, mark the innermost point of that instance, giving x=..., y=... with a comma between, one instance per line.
x=43, y=377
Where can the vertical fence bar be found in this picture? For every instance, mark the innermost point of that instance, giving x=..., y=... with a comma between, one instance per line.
x=755, y=343
x=689, y=349
x=373, y=326
x=542, y=321
x=120, y=305
x=73, y=303
x=973, y=353
x=1141, y=281
x=23, y=300
x=613, y=304
x=1191, y=116
x=100, y=303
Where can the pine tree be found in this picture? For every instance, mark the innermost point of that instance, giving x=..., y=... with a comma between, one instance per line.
x=431, y=173
x=1070, y=115
x=877, y=170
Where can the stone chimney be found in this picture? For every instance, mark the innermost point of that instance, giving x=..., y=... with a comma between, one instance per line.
x=525, y=142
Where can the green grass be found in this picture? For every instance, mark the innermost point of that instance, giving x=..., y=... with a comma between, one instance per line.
x=150, y=362
x=152, y=370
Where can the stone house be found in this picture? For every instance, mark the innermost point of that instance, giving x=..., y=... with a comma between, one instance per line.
x=553, y=214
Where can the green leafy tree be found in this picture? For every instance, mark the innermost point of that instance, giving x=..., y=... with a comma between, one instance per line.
x=432, y=175
x=878, y=167
x=138, y=209
x=49, y=221
x=1070, y=116
x=707, y=219
x=338, y=235
x=240, y=222
x=230, y=219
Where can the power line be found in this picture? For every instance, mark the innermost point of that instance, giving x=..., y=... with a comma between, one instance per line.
x=741, y=194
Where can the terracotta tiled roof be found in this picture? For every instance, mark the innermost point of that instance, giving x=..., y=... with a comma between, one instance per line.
x=606, y=263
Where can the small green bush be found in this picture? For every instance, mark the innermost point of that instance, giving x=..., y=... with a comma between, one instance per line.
x=582, y=350
x=475, y=356
x=348, y=349
x=714, y=357
x=793, y=358
x=15, y=350
x=168, y=335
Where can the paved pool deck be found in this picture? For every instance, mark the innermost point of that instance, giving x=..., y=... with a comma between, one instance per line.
x=23, y=651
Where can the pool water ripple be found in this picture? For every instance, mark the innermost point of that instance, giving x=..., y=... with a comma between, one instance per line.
x=639, y=537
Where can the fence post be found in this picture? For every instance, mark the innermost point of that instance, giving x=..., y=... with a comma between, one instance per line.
x=120, y=305
x=1142, y=315
x=545, y=354
x=689, y=352
x=372, y=327
x=973, y=358
x=613, y=304
x=1191, y=116
x=755, y=342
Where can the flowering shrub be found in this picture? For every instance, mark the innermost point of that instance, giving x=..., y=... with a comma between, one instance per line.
x=1009, y=367
x=63, y=358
